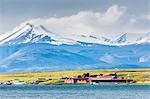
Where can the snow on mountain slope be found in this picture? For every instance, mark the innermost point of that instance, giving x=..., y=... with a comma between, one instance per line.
x=144, y=38
x=122, y=38
x=28, y=33
x=32, y=34
x=9, y=36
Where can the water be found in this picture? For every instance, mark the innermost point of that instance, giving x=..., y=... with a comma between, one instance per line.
x=75, y=92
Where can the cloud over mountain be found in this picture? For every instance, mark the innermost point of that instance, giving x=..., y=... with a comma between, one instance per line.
x=113, y=20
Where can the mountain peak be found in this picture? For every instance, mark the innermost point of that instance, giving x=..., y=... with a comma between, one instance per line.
x=122, y=38
x=29, y=24
x=144, y=38
x=27, y=33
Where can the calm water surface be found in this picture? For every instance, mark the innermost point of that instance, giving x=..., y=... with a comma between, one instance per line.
x=75, y=92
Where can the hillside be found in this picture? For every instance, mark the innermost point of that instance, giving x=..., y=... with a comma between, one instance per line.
x=141, y=76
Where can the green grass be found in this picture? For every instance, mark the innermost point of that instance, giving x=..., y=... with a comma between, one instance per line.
x=141, y=76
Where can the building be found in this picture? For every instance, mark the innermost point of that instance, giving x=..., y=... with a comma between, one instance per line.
x=18, y=82
x=69, y=80
x=76, y=80
x=7, y=82
x=39, y=80
x=87, y=78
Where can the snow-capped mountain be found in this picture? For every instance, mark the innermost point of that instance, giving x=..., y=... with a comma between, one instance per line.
x=31, y=47
x=28, y=33
x=32, y=34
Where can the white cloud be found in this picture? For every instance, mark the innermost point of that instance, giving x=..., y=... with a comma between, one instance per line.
x=135, y=19
x=113, y=20
x=112, y=15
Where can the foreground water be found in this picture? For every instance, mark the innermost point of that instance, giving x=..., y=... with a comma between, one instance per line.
x=75, y=92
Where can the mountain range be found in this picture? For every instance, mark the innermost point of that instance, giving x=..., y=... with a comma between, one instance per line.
x=32, y=47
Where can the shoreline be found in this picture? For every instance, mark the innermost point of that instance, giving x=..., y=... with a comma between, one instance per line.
x=140, y=76
x=75, y=84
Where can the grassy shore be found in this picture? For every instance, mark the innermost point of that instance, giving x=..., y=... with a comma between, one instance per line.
x=141, y=76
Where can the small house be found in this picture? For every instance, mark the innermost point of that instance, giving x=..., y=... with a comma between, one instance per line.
x=76, y=80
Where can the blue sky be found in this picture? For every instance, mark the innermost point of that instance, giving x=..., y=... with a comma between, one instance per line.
x=133, y=15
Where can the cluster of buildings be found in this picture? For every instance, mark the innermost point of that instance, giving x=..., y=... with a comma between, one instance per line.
x=19, y=82
x=80, y=79
x=93, y=79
